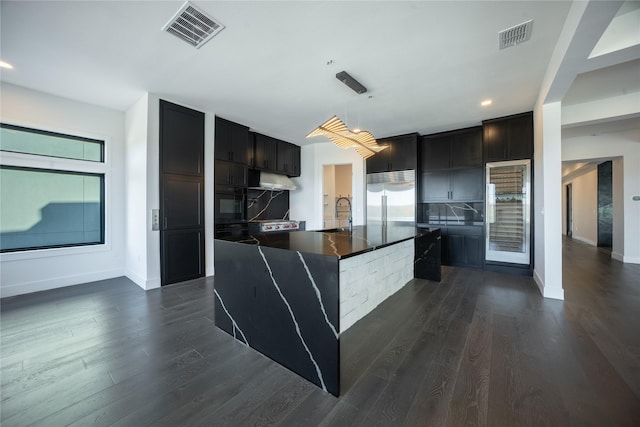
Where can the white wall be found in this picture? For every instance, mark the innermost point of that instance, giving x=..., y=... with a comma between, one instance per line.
x=626, y=211
x=307, y=201
x=585, y=207
x=547, y=205
x=31, y=271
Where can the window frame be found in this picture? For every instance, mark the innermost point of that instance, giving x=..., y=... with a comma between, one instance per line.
x=59, y=164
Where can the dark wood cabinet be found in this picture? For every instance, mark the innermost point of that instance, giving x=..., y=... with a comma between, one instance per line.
x=448, y=150
x=508, y=138
x=464, y=185
x=231, y=174
x=181, y=193
x=232, y=142
x=401, y=154
x=288, y=158
x=462, y=246
x=265, y=152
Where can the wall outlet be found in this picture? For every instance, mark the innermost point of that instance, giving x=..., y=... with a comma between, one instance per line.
x=155, y=219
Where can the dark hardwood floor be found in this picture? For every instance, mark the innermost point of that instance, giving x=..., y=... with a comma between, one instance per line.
x=479, y=348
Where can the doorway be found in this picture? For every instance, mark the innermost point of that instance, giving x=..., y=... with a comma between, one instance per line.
x=605, y=204
x=569, y=217
x=337, y=199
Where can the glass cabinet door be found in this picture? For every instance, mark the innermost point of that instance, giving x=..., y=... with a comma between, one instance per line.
x=508, y=212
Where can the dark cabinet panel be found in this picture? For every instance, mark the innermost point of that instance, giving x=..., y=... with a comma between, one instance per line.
x=265, y=152
x=474, y=250
x=462, y=246
x=435, y=186
x=466, y=148
x=284, y=157
x=182, y=255
x=467, y=184
x=182, y=198
x=227, y=173
x=232, y=142
x=288, y=158
x=508, y=138
x=295, y=160
x=182, y=133
x=495, y=141
x=401, y=154
x=455, y=185
x=456, y=149
x=181, y=193
x=520, y=133
x=435, y=152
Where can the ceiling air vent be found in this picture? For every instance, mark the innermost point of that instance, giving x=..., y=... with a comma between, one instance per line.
x=193, y=25
x=515, y=35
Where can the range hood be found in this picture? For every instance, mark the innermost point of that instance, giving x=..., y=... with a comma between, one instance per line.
x=261, y=180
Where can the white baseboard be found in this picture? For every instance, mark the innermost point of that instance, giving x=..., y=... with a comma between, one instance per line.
x=58, y=282
x=630, y=260
x=545, y=291
x=145, y=284
x=617, y=256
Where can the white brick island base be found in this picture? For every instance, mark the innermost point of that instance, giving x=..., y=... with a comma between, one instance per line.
x=366, y=280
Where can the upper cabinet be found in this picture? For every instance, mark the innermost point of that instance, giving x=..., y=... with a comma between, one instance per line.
x=265, y=154
x=232, y=142
x=457, y=149
x=399, y=155
x=508, y=138
x=288, y=158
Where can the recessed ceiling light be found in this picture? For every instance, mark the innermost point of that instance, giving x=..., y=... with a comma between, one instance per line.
x=486, y=102
x=6, y=65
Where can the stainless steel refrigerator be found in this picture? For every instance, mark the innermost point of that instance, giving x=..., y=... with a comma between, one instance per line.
x=508, y=233
x=391, y=198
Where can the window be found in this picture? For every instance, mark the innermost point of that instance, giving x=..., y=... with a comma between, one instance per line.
x=52, y=190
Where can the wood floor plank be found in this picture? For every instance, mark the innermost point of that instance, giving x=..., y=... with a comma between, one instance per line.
x=479, y=348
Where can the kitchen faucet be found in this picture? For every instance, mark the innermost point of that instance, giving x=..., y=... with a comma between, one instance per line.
x=349, y=203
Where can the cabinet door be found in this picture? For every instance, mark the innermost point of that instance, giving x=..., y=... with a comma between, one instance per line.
x=227, y=173
x=182, y=136
x=466, y=148
x=403, y=152
x=295, y=160
x=379, y=162
x=238, y=174
x=456, y=250
x=435, y=186
x=222, y=139
x=467, y=184
x=182, y=255
x=495, y=141
x=435, y=152
x=520, y=136
x=265, y=152
x=284, y=157
x=241, y=147
x=232, y=142
x=473, y=250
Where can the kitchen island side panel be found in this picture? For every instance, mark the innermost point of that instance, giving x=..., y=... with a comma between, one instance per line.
x=284, y=304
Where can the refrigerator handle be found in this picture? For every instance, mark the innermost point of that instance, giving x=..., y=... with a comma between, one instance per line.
x=384, y=210
x=491, y=203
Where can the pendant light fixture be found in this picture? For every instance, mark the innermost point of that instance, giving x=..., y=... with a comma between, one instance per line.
x=363, y=141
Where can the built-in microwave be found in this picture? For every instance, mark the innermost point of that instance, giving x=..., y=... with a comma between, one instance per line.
x=230, y=204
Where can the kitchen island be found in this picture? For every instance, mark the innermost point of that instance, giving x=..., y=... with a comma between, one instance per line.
x=291, y=295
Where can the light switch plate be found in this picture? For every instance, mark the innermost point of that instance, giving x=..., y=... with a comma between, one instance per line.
x=155, y=219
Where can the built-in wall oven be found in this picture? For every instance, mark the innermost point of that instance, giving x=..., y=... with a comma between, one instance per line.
x=230, y=204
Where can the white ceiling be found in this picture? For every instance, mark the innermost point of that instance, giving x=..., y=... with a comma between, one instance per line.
x=427, y=64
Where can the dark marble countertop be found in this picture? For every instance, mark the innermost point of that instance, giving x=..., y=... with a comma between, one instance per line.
x=341, y=244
